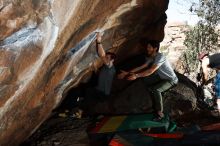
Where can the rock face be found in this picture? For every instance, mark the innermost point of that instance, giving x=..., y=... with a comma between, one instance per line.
x=46, y=47
x=134, y=97
x=173, y=43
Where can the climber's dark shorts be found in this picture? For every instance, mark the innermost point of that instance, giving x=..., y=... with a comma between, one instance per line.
x=217, y=85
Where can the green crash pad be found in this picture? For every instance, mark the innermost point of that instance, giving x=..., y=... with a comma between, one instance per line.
x=110, y=124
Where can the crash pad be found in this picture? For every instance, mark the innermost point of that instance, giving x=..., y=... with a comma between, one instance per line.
x=109, y=124
x=133, y=138
x=212, y=127
x=136, y=138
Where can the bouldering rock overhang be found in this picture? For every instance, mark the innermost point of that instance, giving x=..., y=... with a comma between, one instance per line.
x=46, y=48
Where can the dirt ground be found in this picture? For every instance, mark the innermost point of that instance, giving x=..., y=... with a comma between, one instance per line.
x=63, y=129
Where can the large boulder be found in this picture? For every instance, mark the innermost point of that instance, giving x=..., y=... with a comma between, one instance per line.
x=135, y=97
x=46, y=47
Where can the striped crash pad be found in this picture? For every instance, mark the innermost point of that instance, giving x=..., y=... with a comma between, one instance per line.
x=110, y=124
x=207, y=138
x=133, y=138
x=136, y=138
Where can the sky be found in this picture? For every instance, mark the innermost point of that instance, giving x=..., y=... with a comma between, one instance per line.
x=178, y=11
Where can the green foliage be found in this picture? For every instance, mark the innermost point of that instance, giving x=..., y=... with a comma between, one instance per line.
x=203, y=36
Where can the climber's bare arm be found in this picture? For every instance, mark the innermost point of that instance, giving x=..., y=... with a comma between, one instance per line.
x=100, y=49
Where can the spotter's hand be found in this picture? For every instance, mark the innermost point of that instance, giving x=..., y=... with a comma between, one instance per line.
x=122, y=74
x=132, y=77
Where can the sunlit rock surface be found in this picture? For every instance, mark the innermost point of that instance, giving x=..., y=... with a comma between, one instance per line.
x=173, y=43
x=46, y=48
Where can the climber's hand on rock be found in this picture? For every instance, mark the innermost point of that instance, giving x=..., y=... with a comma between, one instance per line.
x=98, y=37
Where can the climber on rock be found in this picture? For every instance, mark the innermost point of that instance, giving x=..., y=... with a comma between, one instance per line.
x=213, y=62
x=107, y=71
x=156, y=72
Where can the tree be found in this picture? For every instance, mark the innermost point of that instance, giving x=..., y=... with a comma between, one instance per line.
x=204, y=35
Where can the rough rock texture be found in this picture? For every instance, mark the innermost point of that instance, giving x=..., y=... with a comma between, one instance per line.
x=172, y=45
x=134, y=97
x=61, y=131
x=46, y=48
